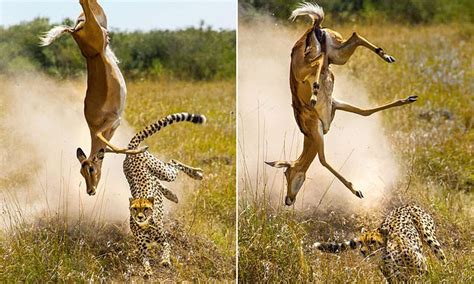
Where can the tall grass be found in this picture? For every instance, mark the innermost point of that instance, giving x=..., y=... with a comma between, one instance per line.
x=435, y=150
x=55, y=247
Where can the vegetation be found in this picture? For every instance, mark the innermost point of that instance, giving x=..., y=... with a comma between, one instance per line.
x=193, y=53
x=433, y=139
x=376, y=11
x=57, y=247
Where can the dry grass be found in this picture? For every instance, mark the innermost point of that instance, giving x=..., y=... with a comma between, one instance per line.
x=435, y=150
x=202, y=229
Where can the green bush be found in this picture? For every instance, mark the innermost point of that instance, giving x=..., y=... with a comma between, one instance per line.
x=193, y=53
x=410, y=11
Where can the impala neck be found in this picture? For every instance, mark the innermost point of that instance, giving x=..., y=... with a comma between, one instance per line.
x=307, y=156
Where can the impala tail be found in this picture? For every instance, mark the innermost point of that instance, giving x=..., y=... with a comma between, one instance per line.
x=314, y=11
x=158, y=125
x=53, y=34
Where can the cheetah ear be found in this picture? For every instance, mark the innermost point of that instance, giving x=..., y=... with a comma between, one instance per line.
x=151, y=199
x=362, y=230
x=382, y=231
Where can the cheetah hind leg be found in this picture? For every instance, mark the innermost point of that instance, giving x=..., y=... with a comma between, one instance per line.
x=426, y=227
x=168, y=194
x=195, y=173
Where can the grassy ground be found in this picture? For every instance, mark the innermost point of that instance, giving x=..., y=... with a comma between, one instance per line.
x=211, y=147
x=202, y=228
x=435, y=151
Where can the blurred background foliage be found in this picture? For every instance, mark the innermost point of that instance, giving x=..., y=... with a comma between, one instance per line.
x=190, y=54
x=374, y=11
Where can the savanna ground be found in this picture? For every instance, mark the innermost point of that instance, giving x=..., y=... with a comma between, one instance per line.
x=55, y=247
x=435, y=150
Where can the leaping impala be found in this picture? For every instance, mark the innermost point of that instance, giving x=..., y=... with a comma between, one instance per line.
x=314, y=107
x=106, y=90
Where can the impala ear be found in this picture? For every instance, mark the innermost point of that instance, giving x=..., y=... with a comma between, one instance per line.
x=279, y=164
x=80, y=155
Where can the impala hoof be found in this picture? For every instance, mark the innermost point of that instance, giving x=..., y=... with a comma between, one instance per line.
x=412, y=99
x=388, y=58
x=166, y=263
x=312, y=103
x=358, y=193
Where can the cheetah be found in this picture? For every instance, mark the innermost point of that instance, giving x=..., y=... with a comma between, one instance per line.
x=400, y=239
x=144, y=173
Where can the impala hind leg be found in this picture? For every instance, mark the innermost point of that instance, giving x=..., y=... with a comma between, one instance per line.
x=322, y=159
x=346, y=49
x=109, y=128
x=338, y=105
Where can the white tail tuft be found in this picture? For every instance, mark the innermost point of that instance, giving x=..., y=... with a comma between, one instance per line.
x=53, y=34
x=312, y=10
x=111, y=54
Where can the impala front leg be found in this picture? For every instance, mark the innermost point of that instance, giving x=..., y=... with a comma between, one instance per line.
x=366, y=112
x=322, y=159
x=113, y=124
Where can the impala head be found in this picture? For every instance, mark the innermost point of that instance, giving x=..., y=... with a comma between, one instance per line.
x=91, y=169
x=294, y=179
x=141, y=210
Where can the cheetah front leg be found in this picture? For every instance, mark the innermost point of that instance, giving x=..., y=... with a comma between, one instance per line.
x=143, y=247
x=165, y=258
x=195, y=173
x=162, y=238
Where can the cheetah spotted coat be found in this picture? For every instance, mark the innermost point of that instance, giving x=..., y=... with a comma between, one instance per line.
x=400, y=239
x=144, y=173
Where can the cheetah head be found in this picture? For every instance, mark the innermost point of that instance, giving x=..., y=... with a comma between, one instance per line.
x=370, y=241
x=141, y=210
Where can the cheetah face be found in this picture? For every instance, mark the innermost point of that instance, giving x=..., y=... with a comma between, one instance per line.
x=141, y=210
x=370, y=242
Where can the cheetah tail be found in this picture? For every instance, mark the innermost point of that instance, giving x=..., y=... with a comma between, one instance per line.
x=337, y=247
x=158, y=125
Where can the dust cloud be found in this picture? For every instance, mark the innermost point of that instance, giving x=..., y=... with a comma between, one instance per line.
x=41, y=127
x=268, y=131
